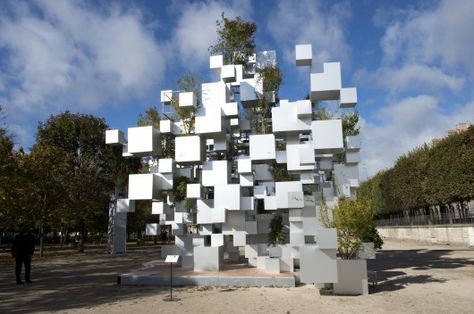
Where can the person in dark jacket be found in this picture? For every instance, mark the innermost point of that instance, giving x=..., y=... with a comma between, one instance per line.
x=22, y=250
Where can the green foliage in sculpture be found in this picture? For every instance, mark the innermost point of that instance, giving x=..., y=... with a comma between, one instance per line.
x=270, y=78
x=280, y=173
x=180, y=188
x=276, y=235
x=235, y=40
x=152, y=117
x=188, y=82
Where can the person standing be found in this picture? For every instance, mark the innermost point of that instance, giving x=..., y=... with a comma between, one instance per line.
x=22, y=250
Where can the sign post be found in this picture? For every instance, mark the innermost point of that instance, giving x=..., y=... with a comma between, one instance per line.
x=171, y=259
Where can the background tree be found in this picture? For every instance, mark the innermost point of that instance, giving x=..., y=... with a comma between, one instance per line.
x=82, y=137
x=235, y=40
x=188, y=82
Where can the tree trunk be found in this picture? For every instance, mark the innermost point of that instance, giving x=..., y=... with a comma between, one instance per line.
x=83, y=233
x=41, y=239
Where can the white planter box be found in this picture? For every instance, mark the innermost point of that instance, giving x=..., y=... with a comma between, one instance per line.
x=352, y=277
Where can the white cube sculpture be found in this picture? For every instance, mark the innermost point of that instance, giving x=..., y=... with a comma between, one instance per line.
x=237, y=180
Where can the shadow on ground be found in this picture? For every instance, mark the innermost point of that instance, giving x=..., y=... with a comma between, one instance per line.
x=390, y=266
x=78, y=281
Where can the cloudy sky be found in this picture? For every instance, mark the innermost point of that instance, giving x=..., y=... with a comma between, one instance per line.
x=412, y=62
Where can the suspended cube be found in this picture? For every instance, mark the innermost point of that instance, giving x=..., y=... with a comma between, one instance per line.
x=262, y=147
x=114, y=137
x=304, y=55
x=143, y=140
x=327, y=136
x=187, y=100
x=348, y=97
x=326, y=85
x=189, y=149
x=228, y=73
x=143, y=186
x=193, y=190
x=166, y=165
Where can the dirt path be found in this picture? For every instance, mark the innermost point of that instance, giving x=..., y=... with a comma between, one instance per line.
x=413, y=278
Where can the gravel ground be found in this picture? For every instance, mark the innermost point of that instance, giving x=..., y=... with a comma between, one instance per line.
x=413, y=278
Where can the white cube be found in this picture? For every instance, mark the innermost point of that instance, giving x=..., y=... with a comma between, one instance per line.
x=327, y=135
x=272, y=265
x=193, y=190
x=228, y=73
x=230, y=109
x=304, y=55
x=326, y=238
x=189, y=149
x=246, y=180
x=165, y=165
x=262, y=147
x=326, y=85
x=326, y=272
x=353, y=142
x=244, y=165
x=159, y=208
x=143, y=140
x=282, y=193
x=215, y=172
x=348, y=97
x=143, y=186
x=227, y=196
x=187, y=100
x=114, y=137
x=151, y=229
x=166, y=126
x=167, y=96
x=217, y=239
x=216, y=62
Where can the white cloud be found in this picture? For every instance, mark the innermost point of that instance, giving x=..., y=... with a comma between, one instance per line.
x=409, y=77
x=66, y=55
x=405, y=125
x=440, y=34
x=306, y=21
x=196, y=29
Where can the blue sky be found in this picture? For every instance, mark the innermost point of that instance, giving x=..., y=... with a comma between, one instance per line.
x=412, y=62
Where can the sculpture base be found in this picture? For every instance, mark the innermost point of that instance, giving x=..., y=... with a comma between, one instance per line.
x=156, y=273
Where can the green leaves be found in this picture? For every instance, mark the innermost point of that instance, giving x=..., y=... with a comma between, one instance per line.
x=439, y=174
x=235, y=40
x=276, y=235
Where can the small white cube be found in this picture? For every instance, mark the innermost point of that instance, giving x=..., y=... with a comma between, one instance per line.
x=193, y=190
x=124, y=205
x=114, y=137
x=166, y=126
x=228, y=73
x=244, y=165
x=151, y=229
x=143, y=140
x=187, y=100
x=348, y=97
x=304, y=55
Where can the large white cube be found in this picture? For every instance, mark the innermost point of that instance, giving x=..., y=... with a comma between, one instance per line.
x=208, y=258
x=114, y=137
x=143, y=186
x=304, y=55
x=262, y=147
x=326, y=238
x=143, y=140
x=189, y=149
x=283, y=193
x=215, y=172
x=327, y=135
x=352, y=276
x=325, y=272
x=326, y=85
x=272, y=265
x=227, y=196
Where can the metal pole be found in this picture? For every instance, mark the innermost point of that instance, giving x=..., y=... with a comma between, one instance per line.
x=171, y=281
